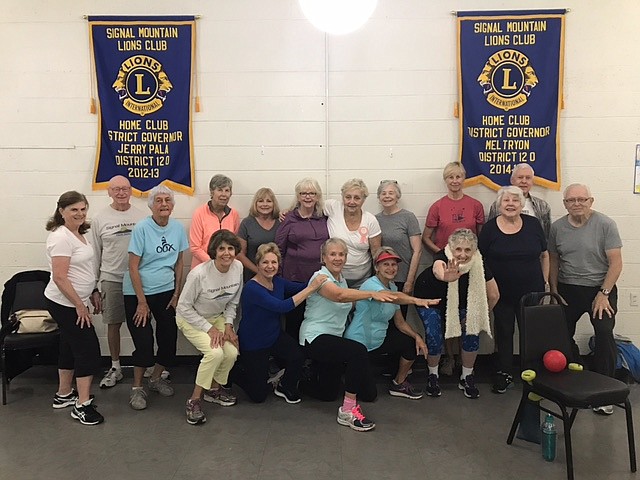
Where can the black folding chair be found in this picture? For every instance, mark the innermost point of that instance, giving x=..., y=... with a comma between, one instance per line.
x=543, y=328
x=25, y=290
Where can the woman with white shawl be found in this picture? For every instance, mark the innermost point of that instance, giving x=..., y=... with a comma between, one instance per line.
x=468, y=292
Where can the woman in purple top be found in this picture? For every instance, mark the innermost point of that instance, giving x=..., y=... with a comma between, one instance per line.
x=299, y=238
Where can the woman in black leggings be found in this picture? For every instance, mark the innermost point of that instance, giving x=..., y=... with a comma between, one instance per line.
x=73, y=279
x=321, y=336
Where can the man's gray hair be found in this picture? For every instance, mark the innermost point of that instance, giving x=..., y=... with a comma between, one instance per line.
x=573, y=185
x=519, y=167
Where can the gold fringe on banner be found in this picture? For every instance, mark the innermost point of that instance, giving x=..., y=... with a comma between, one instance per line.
x=195, y=65
x=93, y=82
x=456, y=110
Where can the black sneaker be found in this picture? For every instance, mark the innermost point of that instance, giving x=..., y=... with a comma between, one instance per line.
x=87, y=414
x=468, y=386
x=405, y=389
x=433, y=386
x=60, y=401
x=289, y=397
x=502, y=382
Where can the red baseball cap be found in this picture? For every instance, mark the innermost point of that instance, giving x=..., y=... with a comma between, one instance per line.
x=387, y=256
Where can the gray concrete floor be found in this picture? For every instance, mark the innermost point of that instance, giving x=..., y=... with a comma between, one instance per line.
x=450, y=437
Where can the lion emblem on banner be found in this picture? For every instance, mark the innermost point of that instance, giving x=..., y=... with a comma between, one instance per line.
x=142, y=85
x=507, y=79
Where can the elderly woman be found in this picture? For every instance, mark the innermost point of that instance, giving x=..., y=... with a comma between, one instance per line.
x=515, y=248
x=264, y=299
x=68, y=293
x=258, y=228
x=206, y=312
x=299, y=238
x=522, y=177
x=321, y=336
x=400, y=231
x=381, y=327
x=152, y=286
x=468, y=292
x=212, y=216
x=453, y=211
x=359, y=229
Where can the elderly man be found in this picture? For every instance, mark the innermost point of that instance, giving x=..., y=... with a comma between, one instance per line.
x=585, y=260
x=522, y=177
x=110, y=235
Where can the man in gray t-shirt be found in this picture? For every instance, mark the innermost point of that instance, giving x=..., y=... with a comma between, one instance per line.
x=585, y=259
x=110, y=235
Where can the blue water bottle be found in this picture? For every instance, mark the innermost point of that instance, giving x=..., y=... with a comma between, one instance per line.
x=548, y=439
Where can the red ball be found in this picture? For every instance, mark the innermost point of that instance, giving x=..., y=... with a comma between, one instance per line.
x=554, y=361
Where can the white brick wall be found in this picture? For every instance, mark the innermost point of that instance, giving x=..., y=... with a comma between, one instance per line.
x=392, y=86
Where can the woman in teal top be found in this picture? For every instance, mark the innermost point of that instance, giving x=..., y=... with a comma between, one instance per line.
x=321, y=336
x=372, y=325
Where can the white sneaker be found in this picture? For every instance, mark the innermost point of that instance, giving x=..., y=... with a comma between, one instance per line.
x=604, y=410
x=113, y=376
x=165, y=375
x=138, y=399
x=355, y=419
x=274, y=379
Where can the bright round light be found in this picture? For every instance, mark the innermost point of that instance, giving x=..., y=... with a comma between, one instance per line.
x=338, y=17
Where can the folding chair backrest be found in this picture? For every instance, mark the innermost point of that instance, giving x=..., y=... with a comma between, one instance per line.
x=25, y=290
x=544, y=328
x=30, y=295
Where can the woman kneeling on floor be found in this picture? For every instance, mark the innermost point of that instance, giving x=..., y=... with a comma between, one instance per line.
x=206, y=312
x=321, y=336
x=381, y=327
x=468, y=292
x=264, y=299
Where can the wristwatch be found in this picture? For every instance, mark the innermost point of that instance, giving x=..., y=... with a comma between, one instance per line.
x=605, y=291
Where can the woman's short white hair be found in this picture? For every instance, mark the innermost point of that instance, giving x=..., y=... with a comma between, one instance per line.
x=511, y=190
x=353, y=184
x=389, y=183
x=332, y=241
x=463, y=235
x=307, y=184
x=157, y=190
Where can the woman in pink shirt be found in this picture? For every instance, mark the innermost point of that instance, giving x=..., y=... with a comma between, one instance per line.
x=212, y=216
x=453, y=211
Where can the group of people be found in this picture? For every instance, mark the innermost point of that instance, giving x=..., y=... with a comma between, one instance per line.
x=341, y=276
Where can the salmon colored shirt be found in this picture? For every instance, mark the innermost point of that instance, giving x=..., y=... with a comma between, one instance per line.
x=203, y=224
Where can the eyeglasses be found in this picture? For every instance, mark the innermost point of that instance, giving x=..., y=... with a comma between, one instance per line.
x=580, y=200
x=120, y=189
x=307, y=194
x=382, y=182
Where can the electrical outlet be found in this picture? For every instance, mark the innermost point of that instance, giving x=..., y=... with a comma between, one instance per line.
x=633, y=299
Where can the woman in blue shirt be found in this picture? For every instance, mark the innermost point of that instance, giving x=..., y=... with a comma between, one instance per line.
x=264, y=299
x=372, y=325
x=152, y=286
